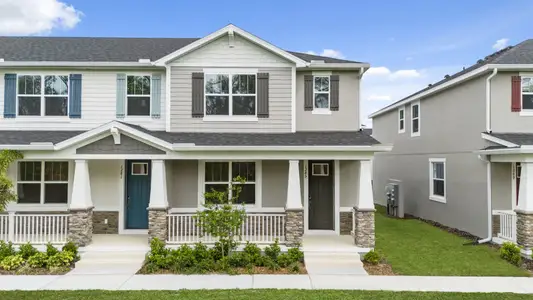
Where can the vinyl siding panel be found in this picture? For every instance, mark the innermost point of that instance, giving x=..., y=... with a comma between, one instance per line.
x=106, y=184
x=98, y=103
x=501, y=186
x=275, y=181
x=184, y=183
x=349, y=181
x=502, y=118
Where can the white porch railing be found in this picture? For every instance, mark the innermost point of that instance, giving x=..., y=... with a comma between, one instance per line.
x=507, y=228
x=34, y=228
x=257, y=228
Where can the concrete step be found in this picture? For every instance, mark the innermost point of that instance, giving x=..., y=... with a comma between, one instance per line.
x=112, y=257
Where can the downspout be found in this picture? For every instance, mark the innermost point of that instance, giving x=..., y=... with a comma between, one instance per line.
x=488, y=128
x=360, y=120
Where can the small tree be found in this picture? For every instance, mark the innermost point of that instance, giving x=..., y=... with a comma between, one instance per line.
x=222, y=216
x=7, y=193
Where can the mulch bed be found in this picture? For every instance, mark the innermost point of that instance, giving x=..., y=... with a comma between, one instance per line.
x=235, y=271
x=36, y=271
x=379, y=269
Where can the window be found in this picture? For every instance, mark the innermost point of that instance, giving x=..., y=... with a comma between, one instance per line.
x=401, y=120
x=138, y=95
x=321, y=87
x=437, y=175
x=415, y=119
x=219, y=175
x=42, y=95
x=139, y=169
x=42, y=185
x=527, y=93
x=320, y=169
x=230, y=94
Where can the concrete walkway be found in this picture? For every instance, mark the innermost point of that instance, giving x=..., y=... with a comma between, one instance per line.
x=338, y=282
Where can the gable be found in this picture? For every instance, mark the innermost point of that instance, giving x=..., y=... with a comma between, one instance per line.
x=243, y=52
x=127, y=145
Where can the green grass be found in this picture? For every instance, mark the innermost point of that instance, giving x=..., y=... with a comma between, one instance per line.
x=249, y=294
x=413, y=247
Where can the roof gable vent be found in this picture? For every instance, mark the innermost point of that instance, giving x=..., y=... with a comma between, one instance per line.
x=144, y=60
x=318, y=62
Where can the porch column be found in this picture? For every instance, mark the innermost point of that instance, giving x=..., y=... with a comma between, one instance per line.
x=294, y=222
x=80, y=227
x=158, y=206
x=524, y=209
x=364, y=231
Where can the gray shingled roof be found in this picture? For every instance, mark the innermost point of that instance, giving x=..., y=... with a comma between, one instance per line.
x=104, y=49
x=515, y=137
x=18, y=137
x=519, y=54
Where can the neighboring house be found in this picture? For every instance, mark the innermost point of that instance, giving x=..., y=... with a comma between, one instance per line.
x=124, y=135
x=462, y=148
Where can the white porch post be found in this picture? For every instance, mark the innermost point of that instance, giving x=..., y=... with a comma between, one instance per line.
x=524, y=210
x=158, y=206
x=294, y=220
x=364, y=235
x=81, y=205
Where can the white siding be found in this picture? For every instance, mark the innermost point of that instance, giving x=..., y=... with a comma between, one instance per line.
x=106, y=184
x=99, y=90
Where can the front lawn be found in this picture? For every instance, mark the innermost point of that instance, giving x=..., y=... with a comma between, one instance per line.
x=251, y=294
x=413, y=247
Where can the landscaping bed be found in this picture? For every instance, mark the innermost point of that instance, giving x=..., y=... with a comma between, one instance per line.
x=222, y=259
x=27, y=260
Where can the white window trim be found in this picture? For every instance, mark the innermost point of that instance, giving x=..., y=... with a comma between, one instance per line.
x=412, y=119
x=258, y=182
x=43, y=95
x=42, y=184
x=230, y=116
x=525, y=112
x=433, y=197
x=140, y=163
x=132, y=117
x=322, y=111
x=401, y=130
x=326, y=165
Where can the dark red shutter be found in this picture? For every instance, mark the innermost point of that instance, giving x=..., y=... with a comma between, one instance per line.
x=516, y=93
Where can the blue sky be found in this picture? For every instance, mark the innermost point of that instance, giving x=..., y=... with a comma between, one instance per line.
x=409, y=43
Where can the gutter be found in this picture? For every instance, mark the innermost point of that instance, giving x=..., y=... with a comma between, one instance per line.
x=486, y=159
x=488, y=102
x=74, y=64
x=307, y=148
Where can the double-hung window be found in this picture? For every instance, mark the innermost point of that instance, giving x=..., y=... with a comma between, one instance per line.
x=138, y=97
x=437, y=179
x=41, y=182
x=527, y=93
x=415, y=119
x=401, y=120
x=219, y=177
x=230, y=94
x=321, y=97
x=42, y=95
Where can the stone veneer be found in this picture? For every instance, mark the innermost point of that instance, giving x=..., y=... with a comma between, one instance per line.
x=524, y=229
x=157, y=224
x=294, y=227
x=364, y=235
x=99, y=224
x=495, y=225
x=80, y=226
x=346, y=222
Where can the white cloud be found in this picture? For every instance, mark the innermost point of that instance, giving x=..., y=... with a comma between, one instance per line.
x=329, y=53
x=396, y=75
x=29, y=17
x=500, y=44
x=378, y=71
x=401, y=74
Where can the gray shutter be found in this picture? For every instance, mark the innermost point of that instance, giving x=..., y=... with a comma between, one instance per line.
x=156, y=96
x=121, y=95
x=74, y=102
x=308, y=92
x=10, y=95
x=197, y=95
x=262, y=95
x=334, y=92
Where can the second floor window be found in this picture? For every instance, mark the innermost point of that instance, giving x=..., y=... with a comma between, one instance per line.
x=42, y=95
x=401, y=120
x=138, y=96
x=415, y=119
x=230, y=94
x=527, y=92
x=321, y=92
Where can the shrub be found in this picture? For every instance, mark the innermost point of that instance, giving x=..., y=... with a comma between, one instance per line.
x=27, y=250
x=157, y=247
x=160, y=261
x=183, y=257
x=222, y=249
x=511, y=253
x=60, y=259
x=239, y=259
x=254, y=252
x=222, y=264
x=372, y=257
x=6, y=249
x=204, y=266
x=294, y=267
x=284, y=260
x=72, y=248
x=295, y=254
x=51, y=250
x=273, y=250
x=269, y=263
x=39, y=260
x=201, y=252
x=12, y=262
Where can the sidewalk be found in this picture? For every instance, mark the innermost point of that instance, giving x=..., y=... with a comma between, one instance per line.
x=344, y=282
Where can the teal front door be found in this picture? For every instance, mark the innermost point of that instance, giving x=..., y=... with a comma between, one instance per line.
x=138, y=181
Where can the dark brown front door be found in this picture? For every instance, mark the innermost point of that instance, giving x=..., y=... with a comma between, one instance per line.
x=321, y=195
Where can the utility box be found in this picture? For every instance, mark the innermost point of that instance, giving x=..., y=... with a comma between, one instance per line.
x=394, y=196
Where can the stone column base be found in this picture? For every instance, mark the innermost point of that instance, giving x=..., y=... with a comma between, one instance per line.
x=524, y=229
x=346, y=222
x=80, y=226
x=294, y=227
x=364, y=235
x=157, y=224
x=495, y=225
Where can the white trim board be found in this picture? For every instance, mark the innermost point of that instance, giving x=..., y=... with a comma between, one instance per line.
x=496, y=140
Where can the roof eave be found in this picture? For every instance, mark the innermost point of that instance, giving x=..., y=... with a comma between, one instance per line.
x=127, y=64
x=336, y=66
x=304, y=148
